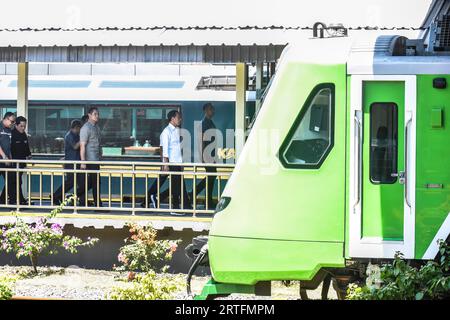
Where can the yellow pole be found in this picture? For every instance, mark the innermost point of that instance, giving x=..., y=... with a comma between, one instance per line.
x=22, y=89
x=241, y=86
x=22, y=103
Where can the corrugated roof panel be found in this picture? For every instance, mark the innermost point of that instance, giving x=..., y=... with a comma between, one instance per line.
x=145, y=37
x=159, y=36
x=225, y=45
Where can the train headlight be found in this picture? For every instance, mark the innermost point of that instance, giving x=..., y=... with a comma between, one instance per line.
x=222, y=204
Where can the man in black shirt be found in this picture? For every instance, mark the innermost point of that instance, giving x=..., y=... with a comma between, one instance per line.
x=71, y=152
x=208, y=152
x=5, y=153
x=20, y=149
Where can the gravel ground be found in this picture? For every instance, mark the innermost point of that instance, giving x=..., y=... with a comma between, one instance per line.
x=86, y=284
x=65, y=283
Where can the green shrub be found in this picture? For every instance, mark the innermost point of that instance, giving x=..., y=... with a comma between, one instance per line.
x=401, y=281
x=6, y=287
x=142, y=252
x=146, y=287
x=35, y=239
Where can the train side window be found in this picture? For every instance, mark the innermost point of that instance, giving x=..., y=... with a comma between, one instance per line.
x=383, y=142
x=311, y=137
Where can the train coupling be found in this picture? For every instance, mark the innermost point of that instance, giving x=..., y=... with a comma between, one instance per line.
x=193, y=250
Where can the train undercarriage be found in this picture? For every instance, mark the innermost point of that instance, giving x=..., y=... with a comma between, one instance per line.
x=355, y=271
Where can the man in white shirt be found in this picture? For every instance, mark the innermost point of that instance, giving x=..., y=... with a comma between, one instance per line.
x=170, y=144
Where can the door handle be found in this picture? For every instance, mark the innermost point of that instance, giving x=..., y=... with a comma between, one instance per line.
x=401, y=176
x=408, y=123
x=358, y=140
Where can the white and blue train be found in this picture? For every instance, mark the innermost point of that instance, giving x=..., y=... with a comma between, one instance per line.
x=132, y=107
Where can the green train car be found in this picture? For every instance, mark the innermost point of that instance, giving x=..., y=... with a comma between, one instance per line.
x=360, y=169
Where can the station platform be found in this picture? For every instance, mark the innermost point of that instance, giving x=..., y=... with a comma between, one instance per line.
x=116, y=219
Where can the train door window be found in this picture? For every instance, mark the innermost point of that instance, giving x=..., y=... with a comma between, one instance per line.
x=115, y=124
x=383, y=142
x=48, y=124
x=151, y=121
x=124, y=125
x=311, y=137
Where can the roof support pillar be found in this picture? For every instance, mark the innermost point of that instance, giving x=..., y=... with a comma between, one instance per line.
x=259, y=81
x=241, y=88
x=22, y=103
x=22, y=89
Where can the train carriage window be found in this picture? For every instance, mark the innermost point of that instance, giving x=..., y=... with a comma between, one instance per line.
x=48, y=124
x=383, y=142
x=311, y=137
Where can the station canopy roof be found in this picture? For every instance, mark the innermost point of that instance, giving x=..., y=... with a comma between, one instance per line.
x=221, y=40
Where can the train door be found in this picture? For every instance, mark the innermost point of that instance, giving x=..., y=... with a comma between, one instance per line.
x=382, y=168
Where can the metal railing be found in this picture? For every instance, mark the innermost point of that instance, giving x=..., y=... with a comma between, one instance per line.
x=123, y=185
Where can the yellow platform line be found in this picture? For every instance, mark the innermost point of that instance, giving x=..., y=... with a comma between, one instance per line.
x=143, y=168
x=108, y=216
x=116, y=199
x=126, y=175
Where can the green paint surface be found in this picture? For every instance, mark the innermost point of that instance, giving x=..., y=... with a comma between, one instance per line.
x=382, y=204
x=433, y=161
x=287, y=223
x=288, y=219
x=246, y=261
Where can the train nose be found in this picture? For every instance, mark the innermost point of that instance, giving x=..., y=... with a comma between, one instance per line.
x=193, y=250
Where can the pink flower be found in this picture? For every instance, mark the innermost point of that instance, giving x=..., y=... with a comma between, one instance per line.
x=56, y=228
x=173, y=247
x=122, y=258
x=39, y=225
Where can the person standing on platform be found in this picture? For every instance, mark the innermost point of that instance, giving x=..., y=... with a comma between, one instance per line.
x=71, y=153
x=5, y=153
x=20, y=149
x=170, y=143
x=90, y=151
x=207, y=150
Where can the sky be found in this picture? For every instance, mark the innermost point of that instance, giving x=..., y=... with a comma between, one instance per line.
x=141, y=13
